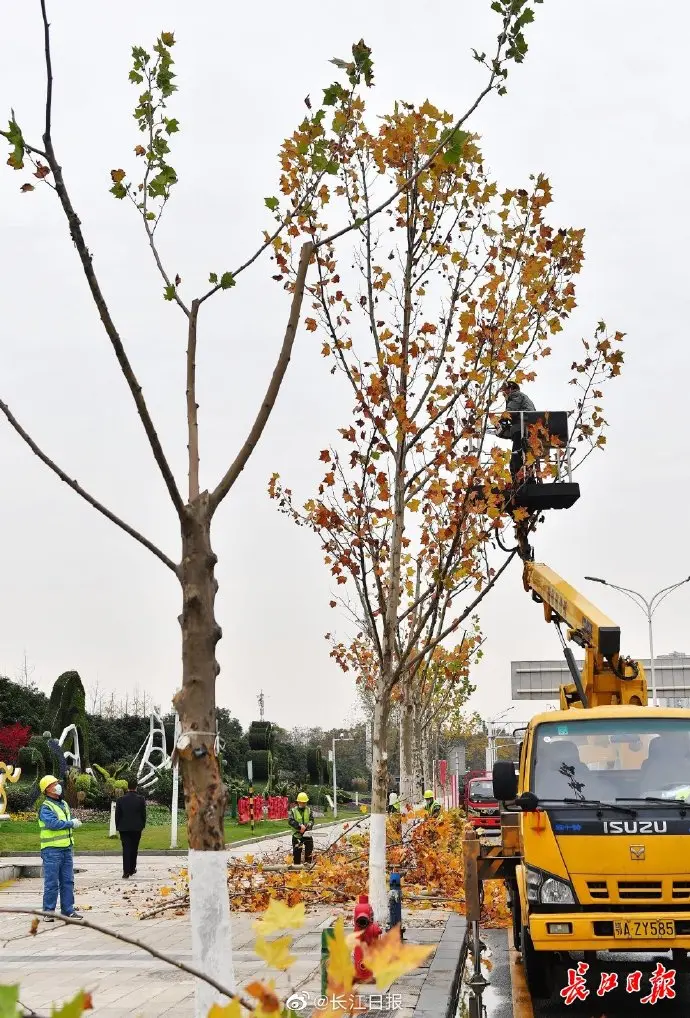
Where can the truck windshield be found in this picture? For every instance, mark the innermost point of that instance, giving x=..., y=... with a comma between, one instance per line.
x=611, y=758
x=481, y=791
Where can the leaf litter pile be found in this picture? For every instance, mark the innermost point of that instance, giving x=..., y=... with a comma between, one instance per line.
x=430, y=863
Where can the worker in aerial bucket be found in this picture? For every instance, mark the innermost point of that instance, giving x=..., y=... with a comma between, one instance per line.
x=511, y=425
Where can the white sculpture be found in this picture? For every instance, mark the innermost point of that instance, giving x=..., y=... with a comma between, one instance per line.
x=75, y=756
x=155, y=757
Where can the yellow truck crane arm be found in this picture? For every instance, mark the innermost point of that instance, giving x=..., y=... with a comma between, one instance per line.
x=607, y=678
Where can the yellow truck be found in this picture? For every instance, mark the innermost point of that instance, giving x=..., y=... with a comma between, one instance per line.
x=596, y=824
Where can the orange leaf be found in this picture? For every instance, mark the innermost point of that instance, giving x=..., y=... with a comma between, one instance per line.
x=325, y=455
x=268, y=1002
x=389, y=958
x=310, y=324
x=117, y=175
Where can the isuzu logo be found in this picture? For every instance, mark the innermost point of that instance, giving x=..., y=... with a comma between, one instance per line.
x=637, y=852
x=635, y=827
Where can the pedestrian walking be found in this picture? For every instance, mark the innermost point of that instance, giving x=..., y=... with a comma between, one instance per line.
x=301, y=820
x=55, y=825
x=130, y=821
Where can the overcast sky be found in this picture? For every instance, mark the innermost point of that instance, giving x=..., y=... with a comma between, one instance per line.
x=600, y=106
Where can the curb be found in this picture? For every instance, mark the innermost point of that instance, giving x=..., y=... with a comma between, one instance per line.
x=438, y=997
x=178, y=851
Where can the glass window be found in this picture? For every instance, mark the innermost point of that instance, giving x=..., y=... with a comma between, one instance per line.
x=481, y=791
x=612, y=759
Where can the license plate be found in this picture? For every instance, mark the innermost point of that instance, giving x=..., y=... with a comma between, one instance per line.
x=644, y=929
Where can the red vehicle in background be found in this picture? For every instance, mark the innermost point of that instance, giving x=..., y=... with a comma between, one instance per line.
x=481, y=805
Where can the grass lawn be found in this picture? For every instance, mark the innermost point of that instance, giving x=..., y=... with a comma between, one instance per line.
x=22, y=835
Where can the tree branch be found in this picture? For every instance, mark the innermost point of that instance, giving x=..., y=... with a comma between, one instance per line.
x=192, y=405
x=98, y=298
x=75, y=486
x=240, y=461
x=189, y=969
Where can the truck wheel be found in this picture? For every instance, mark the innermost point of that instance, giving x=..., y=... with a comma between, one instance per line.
x=538, y=967
x=516, y=914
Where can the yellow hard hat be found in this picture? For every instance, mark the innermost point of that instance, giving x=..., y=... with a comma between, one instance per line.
x=302, y=797
x=46, y=782
x=428, y=794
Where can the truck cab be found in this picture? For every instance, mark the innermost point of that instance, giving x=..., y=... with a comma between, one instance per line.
x=604, y=835
x=481, y=805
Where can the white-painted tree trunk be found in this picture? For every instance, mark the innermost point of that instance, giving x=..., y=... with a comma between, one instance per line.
x=112, y=833
x=211, y=931
x=378, y=884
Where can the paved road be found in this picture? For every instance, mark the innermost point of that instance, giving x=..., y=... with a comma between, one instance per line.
x=506, y=994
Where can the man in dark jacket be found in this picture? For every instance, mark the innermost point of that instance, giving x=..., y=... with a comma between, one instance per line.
x=516, y=403
x=130, y=821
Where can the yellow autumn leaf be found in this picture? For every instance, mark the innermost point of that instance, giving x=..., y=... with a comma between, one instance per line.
x=362, y=809
x=413, y=505
x=276, y=953
x=389, y=958
x=249, y=859
x=165, y=891
x=341, y=969
x=231, y=1010
x=279, y=916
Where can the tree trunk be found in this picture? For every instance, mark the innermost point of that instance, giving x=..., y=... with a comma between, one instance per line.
x=418, y=757
x=427, y=764
x=203, y=788
x=378, y=889
x=407, y=784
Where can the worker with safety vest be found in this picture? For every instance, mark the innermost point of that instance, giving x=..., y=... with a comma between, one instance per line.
x=55, y=825
x=301, y=819
x=394, y=803
x=431, y=806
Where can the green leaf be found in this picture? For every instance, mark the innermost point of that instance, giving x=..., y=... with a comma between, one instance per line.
x=271, y=203
x=213, y=278
x=150, y=216
x=136, y=77
x=227, y=280
x=169, y=292
x=453, y=151
x=363, y=62
x=167, y=38
x=9, y=995
x=16, y=139
x=119, y=190
x=72, y=1009
x=172, y=126
x=333, y=93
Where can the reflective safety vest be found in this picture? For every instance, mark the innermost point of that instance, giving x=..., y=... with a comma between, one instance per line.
x=433, y=807
x=56, y=839
x=302, y=817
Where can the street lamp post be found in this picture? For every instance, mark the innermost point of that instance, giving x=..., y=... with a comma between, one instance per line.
x=649, y=607
x=341, y=738
x=490, y=738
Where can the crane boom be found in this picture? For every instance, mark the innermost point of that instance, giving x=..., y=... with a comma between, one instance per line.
x=606, y=678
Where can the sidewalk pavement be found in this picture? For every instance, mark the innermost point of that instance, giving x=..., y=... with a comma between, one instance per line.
x=126, y=982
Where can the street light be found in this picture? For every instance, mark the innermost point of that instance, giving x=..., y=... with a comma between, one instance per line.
x=648, y=607
x=488, y=756
x=341, y=738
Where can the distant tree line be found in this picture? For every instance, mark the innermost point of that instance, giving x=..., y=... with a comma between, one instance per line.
x=116, y=730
